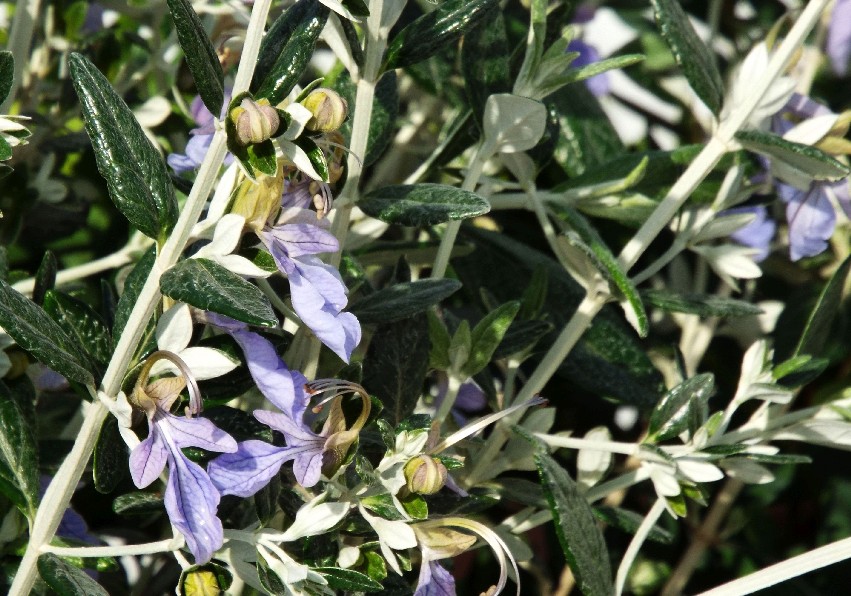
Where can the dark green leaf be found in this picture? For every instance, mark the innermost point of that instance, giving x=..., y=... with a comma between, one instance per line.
x=82, y=323
x=628, y=521
x=487, y=335
x=818, y=326
x=135, y=173
x=690, y=53
x=521, y=336
x=779, y=458
x=7, y=73
x=348, y=580
x=315, y=155
x=132, y=288
x=260, y=157
x=704, y=305
x=5, y=151
x=18, y=450
x=357, y=7
x=200, y=580
x=266, y=501
x=279, y=34
x=109, y=463
x=422, y=204
x=396, y=364
x=269, y=579
x=608, y=360
x=292, y=53
x=670, y=417
x=200, y=56
x=440, y=340
x=209, y=286
x=138, y=503
x=385, y=110
x=38, y=334
x=45, y=277
x=9, y=489
x=484, y=62
x=436, y=30
x=575, y=524
x=608, y=265
x=65, y=579
x=798, y=371
x=403, y=300
x=803, y=158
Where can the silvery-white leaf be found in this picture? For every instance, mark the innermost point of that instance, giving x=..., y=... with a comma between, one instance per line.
x=297, y=155
x=730, y=261
x=763, y=449
x=153, y=112
x=300, y=117
x=831, y=433
x=539, y=420
x=517, y=547
x=225, y=237
x=282, y=565
x=316, y=517
x=664, y=481
x=513, y=123
x=241, y=266
x=219, y=203
x=770, y=392
x=699, y=471
x=348, y=556
x=607, y=32
x=174, y=329
x=747, y=471
x=723, y=225
x=591, y=464
x=520, y=165
x=341, y=10
x=812, y=130
x=207, y=363
x=751, y=70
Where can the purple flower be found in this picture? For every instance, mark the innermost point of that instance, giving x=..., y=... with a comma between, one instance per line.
x=839, y=37
x=811, y=215
x=317, y=291
x=758, y=233
x=434, y=580
x=201, y=137
x=191, y=499
x=470, y=399
x=598, y=84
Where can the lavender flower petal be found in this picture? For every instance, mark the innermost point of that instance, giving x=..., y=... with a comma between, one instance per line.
x=434, y=580
x=297, y=239
x=148, y=459
x=248, y=469
x=199, y=432
x=598, y=84
x=839, y=37
x=811, y=220
x=758, y=233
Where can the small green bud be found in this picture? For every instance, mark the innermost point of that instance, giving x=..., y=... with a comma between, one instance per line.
x=425, y=475
x=328, y=108
x=255, y=121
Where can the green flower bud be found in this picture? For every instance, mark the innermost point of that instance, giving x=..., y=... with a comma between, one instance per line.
x=425, y=475
x=255, y=121
x=328, y=108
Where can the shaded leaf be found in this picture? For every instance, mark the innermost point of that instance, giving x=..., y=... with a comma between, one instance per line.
x=109, y=463
x=704, y=305
x=200, y=56
x=45, y=277
x=348, y=580
x=385, y=110
x=65, y=579
x=82, y=323
x=671, y=415
x=818, y=326
x=18, y=450
x=7, y=73
x=484, y=62
x=422, y=204
x=207, y=285
x=628, y=521
x=487, y=335
x=809, y=160
x=403, y=300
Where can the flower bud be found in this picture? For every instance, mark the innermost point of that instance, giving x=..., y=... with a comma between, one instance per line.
x=425, y=475
x=255, y=121
x=328, y=108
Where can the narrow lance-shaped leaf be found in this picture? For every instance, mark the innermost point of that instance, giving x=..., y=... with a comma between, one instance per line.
x=422, y=204
x=290, y=21
x=38, y=334
x=403, y=300
x=690, y=52
x=671, y=415
x=575, y=524
x=134, y=171
x=434, y=31
x=818, y=326
x=348, y=580
x=806, y=159
x=82, y=323
x=704, y=305
x=207, y=285
x=487, y=335
x=200, y=56
x=45, y=277
x=67, y=580
x=18, y=450
x=7, y=73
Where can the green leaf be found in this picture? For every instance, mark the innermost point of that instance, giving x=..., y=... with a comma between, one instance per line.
x=779, y=458
x=487, y=335
x=403, y=300
x=200, y=56
x=521, y=336
x=575, y=524
x=810, y=161
x=207, y=285
x=820, y=323
x=438, y=335
x=484, y=62
x=799, y=370
x=629, y=521
x=608, y=360
x=132, y=288
x=138, y=503
x=315, y=155
x=5, y=150
x=396, y=364
x=269, y=579
x=67, y=580
x=281, y=31
x=704, y=305
x=82, y=323
x=18, y=450
x=348, y=580
x=385, y=110
x=422, y=204
x=38, y=334
x=45, y=277
x=607, y=263
x=259, y=157
x=109, y=462
x=690, y=53
x=671, y=415
x=134, y=170
x=292, y=46
x=7, y=73
x=436, y=30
